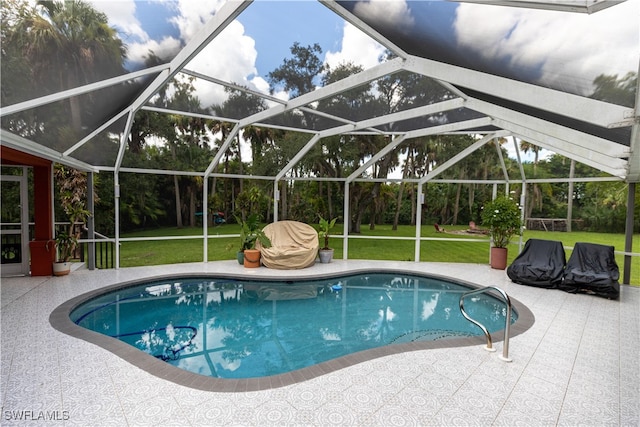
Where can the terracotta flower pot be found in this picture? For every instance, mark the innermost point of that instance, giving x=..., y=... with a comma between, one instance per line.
x=251, y=258
x=498, y=258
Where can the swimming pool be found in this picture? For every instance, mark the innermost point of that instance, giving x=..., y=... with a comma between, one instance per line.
x=227, y=328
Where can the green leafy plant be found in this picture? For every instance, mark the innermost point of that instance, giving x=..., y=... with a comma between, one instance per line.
x=73, y=194
x=502, y=216
x=251, y=232
x=65, y=244
x=67, y=239
x=324, y=230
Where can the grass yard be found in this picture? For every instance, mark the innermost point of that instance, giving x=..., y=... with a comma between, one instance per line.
x=455, y=249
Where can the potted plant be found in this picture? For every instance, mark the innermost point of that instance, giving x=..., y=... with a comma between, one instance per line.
x=67, y=239
x=502, y=217
x=242, y=244
x=250, y=233
x=324, y=230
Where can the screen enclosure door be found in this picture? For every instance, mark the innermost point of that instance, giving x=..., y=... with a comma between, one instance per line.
x=14, y=225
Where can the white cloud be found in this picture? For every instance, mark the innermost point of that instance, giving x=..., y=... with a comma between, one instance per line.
x=165, y=48
x=230, y=57
x=570, y=49
x=387, y=13
x=121, y=15
x=357, y=48
x=193, y=15
x=260, y=84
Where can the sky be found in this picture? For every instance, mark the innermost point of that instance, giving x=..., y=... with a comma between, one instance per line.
x=558, y=49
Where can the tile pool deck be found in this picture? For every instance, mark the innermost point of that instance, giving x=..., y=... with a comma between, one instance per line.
x=579, y=364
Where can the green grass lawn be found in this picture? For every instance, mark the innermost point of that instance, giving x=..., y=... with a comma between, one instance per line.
x=139, y=253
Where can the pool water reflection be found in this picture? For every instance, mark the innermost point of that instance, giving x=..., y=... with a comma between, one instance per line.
x=228, y=328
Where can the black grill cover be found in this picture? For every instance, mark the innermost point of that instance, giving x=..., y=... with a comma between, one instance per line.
x=592, y=269
x=541, y=263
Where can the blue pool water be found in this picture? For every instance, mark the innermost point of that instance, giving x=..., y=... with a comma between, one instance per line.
x=229, y=328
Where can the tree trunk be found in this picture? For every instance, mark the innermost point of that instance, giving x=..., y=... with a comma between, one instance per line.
x=269, y=206
x=240, y=167
x=413, y=190
x=456, y=205
x=228, y=188
x=472, y=193
x=192, y=207
x=405, y=173
x=572, y=171
x=329, y=201
x=373, y=205
x=284, y=202
x=354, y=195
x=176, y=187
x=398, y=205
x=74, y=101
x=357, y=222
x=414, y=204
x=212, y=197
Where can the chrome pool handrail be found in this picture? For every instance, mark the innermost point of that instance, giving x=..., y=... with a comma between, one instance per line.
x=507, y=300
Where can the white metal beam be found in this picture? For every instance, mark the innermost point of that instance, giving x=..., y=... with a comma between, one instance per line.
x=392, y=145
x=455, y=159
x=585, y=109
x=267, y=97
x=399, y=116
x=364, y=27
x=503, y=166
x=223, y=17
x=223, y=148
x=523, y=175
x=452, y=127
x=58, y=96
x=612, y=166
x=123, y=141
x=418, y=134
x=299, y=155
x=571, y=137
x=576, y=6
x=233, y=86
x=633, y=175
x=347, y=83
x=87, y=138
x=187, y=114
x=24, y=145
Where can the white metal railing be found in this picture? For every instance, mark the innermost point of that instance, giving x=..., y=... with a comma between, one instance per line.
x=505, y=297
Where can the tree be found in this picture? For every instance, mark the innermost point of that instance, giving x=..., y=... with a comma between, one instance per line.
x=297, y=75
x=141, y=199
x=349, y=152
x=72, y=188
x=404, y=91
x=150, y=123
x=16, y=69
x=238, y=104
x=535, y=198
x=68, y=44
x=616, y=90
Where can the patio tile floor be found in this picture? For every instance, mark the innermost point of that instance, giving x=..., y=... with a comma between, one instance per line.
x=578, y=364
